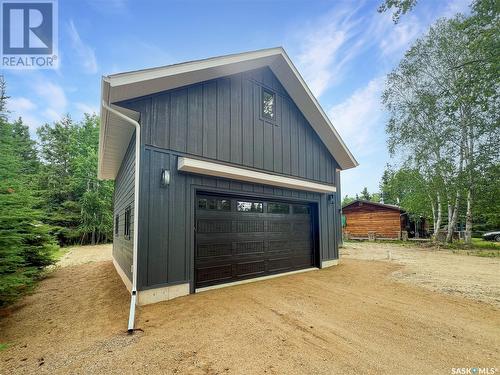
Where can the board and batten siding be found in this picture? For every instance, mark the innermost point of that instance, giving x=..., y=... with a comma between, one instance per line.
x=123, y=198
x=166, y=237
x=221, y=120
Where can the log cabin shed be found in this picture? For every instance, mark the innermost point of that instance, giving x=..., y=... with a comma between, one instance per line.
x=365, y=217
x=225, y=169
x=383, y=221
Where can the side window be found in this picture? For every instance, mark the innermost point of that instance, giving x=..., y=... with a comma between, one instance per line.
x=117, y=224
x=128, y=214
x=242, y=206
x=278, y=208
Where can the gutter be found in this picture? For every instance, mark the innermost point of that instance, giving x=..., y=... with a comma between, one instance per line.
x=131, y=317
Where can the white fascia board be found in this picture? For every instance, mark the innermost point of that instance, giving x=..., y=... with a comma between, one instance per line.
x=241, y=174
x=137, y=76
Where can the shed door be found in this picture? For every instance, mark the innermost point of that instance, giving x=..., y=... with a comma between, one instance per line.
x=240, y=238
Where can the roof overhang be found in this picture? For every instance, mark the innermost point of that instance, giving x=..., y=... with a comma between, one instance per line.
x=115, y=133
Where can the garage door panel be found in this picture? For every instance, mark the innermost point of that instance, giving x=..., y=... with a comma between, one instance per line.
x=248, y=248
x=250, y=269
x=279, y=244
x=301, y=227
x=214, y=274
x=248, y=226
x=279, y=226
x=203, y=238
x=280, y=264
x=304, y=245
x=239, y=238
x=214, y=226
x=302, y=260
x=210, y=250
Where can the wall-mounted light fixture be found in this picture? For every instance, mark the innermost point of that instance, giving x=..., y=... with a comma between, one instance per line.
x=165, y=178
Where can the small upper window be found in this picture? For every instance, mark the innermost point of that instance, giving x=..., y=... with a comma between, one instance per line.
x=214, y=204
x=249, y=206
x=128, y=215
x=278, y=208
x=268, y=104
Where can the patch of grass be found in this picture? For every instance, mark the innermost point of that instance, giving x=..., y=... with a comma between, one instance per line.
x=61, y=251
x=479, y=248
x=478, y=253
x=482, y=244
x=395, y=242
x=477, y=244
x=3, y=346
x=488, y=254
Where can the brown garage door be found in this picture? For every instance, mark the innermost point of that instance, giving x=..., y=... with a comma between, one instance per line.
x=240, y=238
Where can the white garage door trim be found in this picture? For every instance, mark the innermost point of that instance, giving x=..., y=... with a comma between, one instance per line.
x=242, y=174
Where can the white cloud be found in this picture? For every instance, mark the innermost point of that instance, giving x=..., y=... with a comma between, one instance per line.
x=360, y=121
x=86, y=108
x=52, y=94
x=359, y=118
x=326, y=47
x=23, y=107
x=85, y=53
x=51, y=104
x=20, y=105
x=109, y=6
x=51, y=114
x=456, y=6
x=399, y=38
x=151, y=55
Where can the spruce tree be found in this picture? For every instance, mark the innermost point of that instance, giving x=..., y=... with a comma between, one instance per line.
x=26, y=245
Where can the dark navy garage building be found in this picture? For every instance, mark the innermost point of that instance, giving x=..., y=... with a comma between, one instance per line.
x=226, y=169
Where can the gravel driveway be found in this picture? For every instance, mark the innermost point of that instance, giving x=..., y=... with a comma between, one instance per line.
x=470, y=276
x=355, y=318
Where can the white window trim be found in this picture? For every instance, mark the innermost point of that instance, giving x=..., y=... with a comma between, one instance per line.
x=242, y=174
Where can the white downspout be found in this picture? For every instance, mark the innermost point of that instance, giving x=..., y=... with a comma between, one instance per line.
x=133, y=298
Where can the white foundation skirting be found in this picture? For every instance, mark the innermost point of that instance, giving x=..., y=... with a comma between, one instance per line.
x=148, y=296
x=123, y=276
x=329, y=263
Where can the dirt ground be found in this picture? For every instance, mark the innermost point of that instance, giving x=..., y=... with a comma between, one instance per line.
x=355, y=318
x=85, y=254
x=439, y=270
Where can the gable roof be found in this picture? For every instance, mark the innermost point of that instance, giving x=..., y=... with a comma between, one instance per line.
x=115, y=133
x=389, y=206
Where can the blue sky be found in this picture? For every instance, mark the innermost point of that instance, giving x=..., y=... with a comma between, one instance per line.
x=343, y=49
